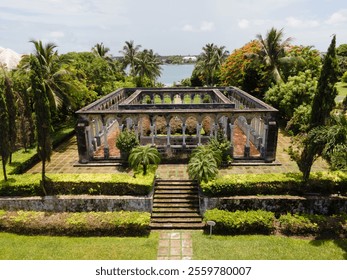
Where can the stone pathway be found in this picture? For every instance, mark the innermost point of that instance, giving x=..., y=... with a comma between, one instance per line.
x=175, y=245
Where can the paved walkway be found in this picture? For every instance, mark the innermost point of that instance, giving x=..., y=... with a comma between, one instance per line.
x=66, y=155
x=175, y=245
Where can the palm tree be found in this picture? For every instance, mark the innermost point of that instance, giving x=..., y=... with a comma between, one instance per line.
x=144, y=156
x=101, y=51
x=203, y=164
x=53, y=75
x=130, y=51
x=273, y=49
x=209, y=61
x=147, y=65
x=4, y=132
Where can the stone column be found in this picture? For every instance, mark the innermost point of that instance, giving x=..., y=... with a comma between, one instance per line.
x=184, y=134
x=106, y=147
x=152, y=134
x=247, y=151
x=231, y=126
x=82, y=143
x=168, y=127
x=198, y=133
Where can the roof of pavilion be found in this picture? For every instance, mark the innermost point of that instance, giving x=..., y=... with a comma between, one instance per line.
x=127, y=101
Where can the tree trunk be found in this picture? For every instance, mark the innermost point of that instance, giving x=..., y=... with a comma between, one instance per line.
x=144, y=169
x=43, y=179
x=4, y=169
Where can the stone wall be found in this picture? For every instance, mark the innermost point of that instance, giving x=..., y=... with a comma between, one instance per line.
x=78, y=203
x=277, y=204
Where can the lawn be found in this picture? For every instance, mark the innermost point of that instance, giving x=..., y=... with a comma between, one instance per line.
x=21, y=247
x=342, y=91
x=260, y=247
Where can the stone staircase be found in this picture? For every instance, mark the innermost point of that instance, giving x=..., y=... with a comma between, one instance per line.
x=176, y=205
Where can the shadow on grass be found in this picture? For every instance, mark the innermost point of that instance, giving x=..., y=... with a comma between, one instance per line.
x=340, y=242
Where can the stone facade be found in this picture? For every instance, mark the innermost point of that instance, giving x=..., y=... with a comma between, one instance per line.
x=227, y=109
x=78, y=203
x=277, y=204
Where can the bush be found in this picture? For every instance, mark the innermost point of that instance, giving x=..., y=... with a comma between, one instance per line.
x=121, y=223
x=241, y=222
x=297, y=225
x=276, y=184
x=125, y=142
x=344, y=77
x=305, y=224
x=67, y=184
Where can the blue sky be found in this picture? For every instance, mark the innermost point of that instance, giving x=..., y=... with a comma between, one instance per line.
x=167, y=26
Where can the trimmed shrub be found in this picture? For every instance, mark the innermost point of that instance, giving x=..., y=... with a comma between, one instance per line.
x=276, y=184
x=66, y=184
x=305, y=224
x=241, y=222
x=121, y=223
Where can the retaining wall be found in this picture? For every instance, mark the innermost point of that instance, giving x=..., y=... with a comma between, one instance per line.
x=277, y=204
x=78, y=203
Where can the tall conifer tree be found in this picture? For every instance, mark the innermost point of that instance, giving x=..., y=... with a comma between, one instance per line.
x=4, y=132
x=323, y=103
x=43, y=115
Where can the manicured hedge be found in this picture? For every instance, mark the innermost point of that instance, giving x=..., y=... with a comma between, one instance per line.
x=263, y=222
x=276, y=184
x=76, y=224
x=305, y=224
x=241, y=222
x=65, y=184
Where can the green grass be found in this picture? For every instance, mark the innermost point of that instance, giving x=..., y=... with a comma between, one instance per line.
x=342, y=91
x=259, y=247
x=20, y=247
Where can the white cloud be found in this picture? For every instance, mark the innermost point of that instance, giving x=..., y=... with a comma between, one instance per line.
x=338, y=17
x=57, y=34
x=295, y=22
x=205, y=26
x=243, y=23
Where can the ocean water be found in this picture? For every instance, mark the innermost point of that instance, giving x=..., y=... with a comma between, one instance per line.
x=172, y=73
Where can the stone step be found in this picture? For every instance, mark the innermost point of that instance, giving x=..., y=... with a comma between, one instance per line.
x=175, y=181
x=176, y=191
x=175, y=215
x=175, y=202
x=185, y=188
x=169, y=197
x=175, y=210
x=168, y=226
x=176, y=220
x=176, y=205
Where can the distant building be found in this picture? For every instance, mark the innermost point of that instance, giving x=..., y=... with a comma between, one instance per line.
x=188, y=59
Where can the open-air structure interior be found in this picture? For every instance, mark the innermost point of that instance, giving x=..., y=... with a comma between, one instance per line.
x=176, y=120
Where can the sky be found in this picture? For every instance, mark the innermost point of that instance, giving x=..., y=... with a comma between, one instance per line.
x=167, y=26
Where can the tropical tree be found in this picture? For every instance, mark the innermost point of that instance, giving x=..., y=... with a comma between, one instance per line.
x=4, y=132
x=242, y=69
x=147, y=66
x=12, y=113
x=52, y=74
x=272, y=50
x=125, y=142
x=209, y=62
x=144, y=156
x=130, y=50
x=310, y=146
x=101, y=51
x=203, y=164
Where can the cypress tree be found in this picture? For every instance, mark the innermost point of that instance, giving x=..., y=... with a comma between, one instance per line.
x=323, y=103
x=324, y=99
x=12, y=114
x=4, y=132
x=43, y=116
